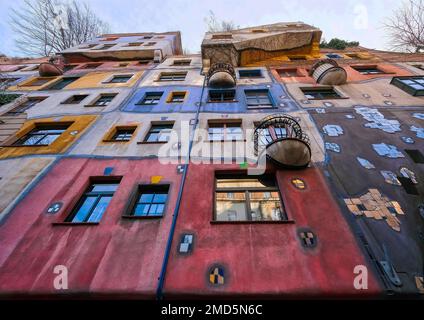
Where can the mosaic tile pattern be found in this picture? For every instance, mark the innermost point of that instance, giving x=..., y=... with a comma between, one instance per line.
x=407, y=140
x=418, y=116
x=332, y=147
x=365, y=163
x=374, y=205
x=390, y=178
x=387, y=150
x=333, y=130
x=405, y=172
x=418, y=131
x=377, y=120
x=217, y=276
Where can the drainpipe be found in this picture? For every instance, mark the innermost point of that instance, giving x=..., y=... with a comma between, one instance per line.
x=159, y=291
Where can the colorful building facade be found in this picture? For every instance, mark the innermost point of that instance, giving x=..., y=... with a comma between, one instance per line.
x=264, y=167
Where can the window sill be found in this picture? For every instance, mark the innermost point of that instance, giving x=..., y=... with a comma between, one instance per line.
x=22, y=146
x=238, y=140
x=152, y=142
x=213, y=222
x=119, y=141
x=222, y=102
x=142, y=217
x=88, y=224
x=94, y=106
x=261, y=107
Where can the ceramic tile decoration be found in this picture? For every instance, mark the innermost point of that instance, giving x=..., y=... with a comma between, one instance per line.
x=332, y=147
x=365, y=163
x=333, y=130
x=390, y=177
x=377, y=120
x=388, y=151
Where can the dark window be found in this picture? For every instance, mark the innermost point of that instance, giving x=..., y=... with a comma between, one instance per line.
x=143, y=62
x=7, y=81
x=120, y=79
x=159, y=133
x=63, y=83
x=254, y=73
x=297, y=58
x=172, y=76
x=416, y=155
x=408, y=186
x=151, y=201
x=367, y=70
x=148, y=44
x=222, y=96
x=320, y=93
x=412, y=85
x=258, y=98
x=91, y=66
x=41, y=135
x=68, y=67
x=134, y=44
x=104, y=99
x=182, y=62
x=147, y=37
x=226, y=131
x=285, y=73
x=94, y=202
x=26, y=105
x=151, y=98
x=244, y=198
x=123, y=134
x=222, y=36
x=75, y=99
x=177, y=97
x=334, y=56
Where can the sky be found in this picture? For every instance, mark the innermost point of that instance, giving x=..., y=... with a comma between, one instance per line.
x=354, y=20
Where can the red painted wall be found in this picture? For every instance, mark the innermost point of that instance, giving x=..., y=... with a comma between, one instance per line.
x=118, y=256
x=266, y=259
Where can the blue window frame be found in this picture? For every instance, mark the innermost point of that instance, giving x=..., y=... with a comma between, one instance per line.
x=259, y=98
x=94, y=202
x=226, y=95
x=150, y=201
x=151, y=98
x=252, y=73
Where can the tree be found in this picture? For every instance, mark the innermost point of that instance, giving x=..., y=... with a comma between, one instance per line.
x=214, y=25
x=406, y=27
x=44, y=27
x=338, y=44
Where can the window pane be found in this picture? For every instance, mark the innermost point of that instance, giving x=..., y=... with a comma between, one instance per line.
x=142, y=210
x=265, y=206
x=160, y=198
x=48, y=139
x=231, y=208
x=104, y=187
x=84, y=209
x=31, y=140
x=243, y=183
x=100, y=209
x=146, y=198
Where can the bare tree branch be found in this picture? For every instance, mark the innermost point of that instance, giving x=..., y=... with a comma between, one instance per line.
x=44, y=27
x=406, y=27
x=214, y=25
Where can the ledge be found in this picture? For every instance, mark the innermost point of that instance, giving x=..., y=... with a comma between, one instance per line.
x=88, y=224
x=152, y=142
x=252, y=222
x=141, y=217
x=22, y=146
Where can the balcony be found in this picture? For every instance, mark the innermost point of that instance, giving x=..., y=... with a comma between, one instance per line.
x=221, y=75
x=281, y=139
x=328, y=72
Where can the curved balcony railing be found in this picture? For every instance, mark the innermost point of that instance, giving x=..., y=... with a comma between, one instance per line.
x=281, y=138
x=221, y=75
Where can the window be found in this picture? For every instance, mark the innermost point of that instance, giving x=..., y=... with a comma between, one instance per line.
x=32, y=101
x=91, y=65
x=415, y=155
x=68, y=67
x=320, y=93
x=147, y=37
x=148, y=44
x=37, y=82
x=7, y=81
x=271, y=133
x=286, y=73
x=94, y=202
x=144, y=62
x=109, y=39
x=419, y=66
x=412, y=85
x=184, y=62
x=151, y=98
x=123, y=134
x=333, y=56
x=222, y=96
x=42, y=135
x=159, y=133
x=150, y=201
x=120, y=79
x=104, y=99
x=172, y=76
x=88, y=46
x=254, y=73
x=225, y=131
x=134, y=44
x=244, y=198
x=297, y=58
x=258, y=98
x=63, y=83
x=75, y=99
x=368, y=70
x=123, y=65
x=176, y=97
